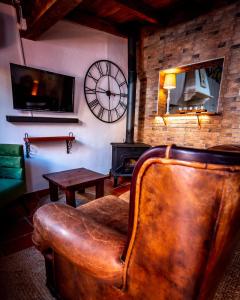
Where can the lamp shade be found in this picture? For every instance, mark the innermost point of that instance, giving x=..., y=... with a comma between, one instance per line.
x=170, y=81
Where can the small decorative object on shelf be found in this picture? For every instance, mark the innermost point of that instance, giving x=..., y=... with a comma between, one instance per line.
x=192, y=110
x=193, y=113
x=28, y=140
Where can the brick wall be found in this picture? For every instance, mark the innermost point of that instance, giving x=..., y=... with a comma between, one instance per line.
x=211, y=36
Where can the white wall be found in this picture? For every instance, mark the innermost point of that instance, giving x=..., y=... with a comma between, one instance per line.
x=70, y=49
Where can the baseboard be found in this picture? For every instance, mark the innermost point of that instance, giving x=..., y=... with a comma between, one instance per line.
x=34, y=194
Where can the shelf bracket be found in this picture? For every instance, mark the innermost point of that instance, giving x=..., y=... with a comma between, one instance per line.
x=69, y=143
x=164, y=121
x=198, y=120
x=27, y=145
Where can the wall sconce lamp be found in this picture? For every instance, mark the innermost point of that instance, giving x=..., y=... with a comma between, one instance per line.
x=169, y=84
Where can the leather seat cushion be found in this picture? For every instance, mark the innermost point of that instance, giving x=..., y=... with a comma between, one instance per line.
x=125, y=196
x=92, y=237
x=109, y=211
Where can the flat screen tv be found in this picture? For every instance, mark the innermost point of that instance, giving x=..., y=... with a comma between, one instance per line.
x=35, y=89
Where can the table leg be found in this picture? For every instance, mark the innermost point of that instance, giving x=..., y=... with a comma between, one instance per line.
x=100, y=189
x=53, y=190
x=70, y=198
x=115, y=183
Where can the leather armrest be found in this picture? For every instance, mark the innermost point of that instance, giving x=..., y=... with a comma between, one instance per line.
x=96, y=249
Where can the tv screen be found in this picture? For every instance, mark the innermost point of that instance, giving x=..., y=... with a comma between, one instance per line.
x=35, y=89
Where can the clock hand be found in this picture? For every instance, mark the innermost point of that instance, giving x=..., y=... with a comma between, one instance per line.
x=114, y=94
x=108, y=83
x=105, y=92
x=109, y=92
x=102, y=89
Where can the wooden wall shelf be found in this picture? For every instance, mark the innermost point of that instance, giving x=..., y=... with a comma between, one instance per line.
x=192, y=114
x=186, y=115
x=21, y=119
x=28, y=140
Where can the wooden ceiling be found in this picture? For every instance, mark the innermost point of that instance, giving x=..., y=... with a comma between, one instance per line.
x=112, y=16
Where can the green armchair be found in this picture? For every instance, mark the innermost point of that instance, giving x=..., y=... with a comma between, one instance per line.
x=12, y=173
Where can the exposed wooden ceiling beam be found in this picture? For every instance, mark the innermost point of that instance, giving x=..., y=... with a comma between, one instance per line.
x=6, y=2
x=41, y=15
x=187, y=10
x=140, y=9
x=92, y=21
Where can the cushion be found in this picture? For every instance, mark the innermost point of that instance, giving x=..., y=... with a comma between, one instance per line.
x=109, y=211
x=11, y=161
x=11, y=150
x=10, y=189
x=14, y=173
x=125, y=196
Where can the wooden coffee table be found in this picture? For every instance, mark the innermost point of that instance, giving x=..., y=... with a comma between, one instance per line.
x=72, y=180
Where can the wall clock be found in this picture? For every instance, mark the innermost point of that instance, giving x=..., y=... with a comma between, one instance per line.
x=105, y=89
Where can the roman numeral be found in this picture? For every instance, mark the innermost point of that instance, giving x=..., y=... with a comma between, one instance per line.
x=93, y=104
x=108, y=68
x=123, y=105
x=90, y=91
x=117, y=73
x=90, y=75
x=98, y=66
x=100, y=113
x=117, y=113
x=121, y=84
x=109, y=116
x=123, y=95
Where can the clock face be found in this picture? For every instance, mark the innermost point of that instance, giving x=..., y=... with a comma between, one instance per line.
x=105, y=89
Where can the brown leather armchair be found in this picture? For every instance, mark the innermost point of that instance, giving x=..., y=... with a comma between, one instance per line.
x=173, y=243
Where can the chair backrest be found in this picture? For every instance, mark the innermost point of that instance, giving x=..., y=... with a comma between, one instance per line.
x=183, y=224
x=12, y=161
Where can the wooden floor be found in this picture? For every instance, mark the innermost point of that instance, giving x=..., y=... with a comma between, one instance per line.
x=16, y=225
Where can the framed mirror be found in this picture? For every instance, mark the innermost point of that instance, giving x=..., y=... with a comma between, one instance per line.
x=191, y=89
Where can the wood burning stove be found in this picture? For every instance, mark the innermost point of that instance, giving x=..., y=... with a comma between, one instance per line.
x=124, y=158
x=125, y=155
